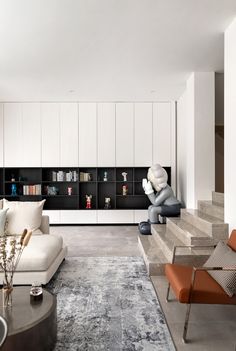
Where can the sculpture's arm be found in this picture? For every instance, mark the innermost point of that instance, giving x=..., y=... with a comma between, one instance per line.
x=159, y=198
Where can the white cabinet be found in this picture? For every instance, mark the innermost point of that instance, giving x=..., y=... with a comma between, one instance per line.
x=115, y=216
x=106, y=134
x=162, y=129
x=143, y=134
x=124, y=134
x=12, y=135
x=31, y=135
x=1, y=135
x=140, y=216
x=87, y=134
x=50, y=135
x=69, y=135
x=78, y=216
x=54, y=216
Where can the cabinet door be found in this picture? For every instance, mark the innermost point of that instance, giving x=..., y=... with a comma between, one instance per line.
x=54, y=216
x=87, y=135
x=115, y=216
x=69, y=135
x=124, y=135
x=78, y=217
x=106, y=135
x=162, y=142
x=12, y=134
x=50, y=135
x=31, y=135
x=1, y=135
x=143, y=134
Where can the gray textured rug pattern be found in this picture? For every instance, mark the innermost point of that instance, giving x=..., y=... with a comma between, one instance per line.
x=108, y=303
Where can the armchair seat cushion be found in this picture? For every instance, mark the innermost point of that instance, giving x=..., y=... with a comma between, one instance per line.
x=206, y=289
x=40, y=253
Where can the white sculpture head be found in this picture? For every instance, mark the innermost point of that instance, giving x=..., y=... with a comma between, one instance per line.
x=158, y=177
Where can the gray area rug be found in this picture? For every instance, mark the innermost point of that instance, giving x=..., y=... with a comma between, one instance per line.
x=108, y=303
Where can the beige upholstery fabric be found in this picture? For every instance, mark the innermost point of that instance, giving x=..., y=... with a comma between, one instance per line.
x=223, y=256
x=1, y=204
x=23, y=215
x=40, y=252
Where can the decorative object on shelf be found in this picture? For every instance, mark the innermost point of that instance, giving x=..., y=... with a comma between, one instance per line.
x=62, y=176
x=107, y=203
x=13, y=190
x=89, y=201
x=85, y=177
x=124, y=175
x=13, y=179
x=69, y=190
x=52, y=190
x=124, y=190
x=11, y=250
x=105, y=177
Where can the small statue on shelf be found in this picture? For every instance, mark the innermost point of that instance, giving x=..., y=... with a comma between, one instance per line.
x=105, y=177
x=13, y=190
x=88, y=201
x=124, y=190
x=107, y=203
x=124, y=175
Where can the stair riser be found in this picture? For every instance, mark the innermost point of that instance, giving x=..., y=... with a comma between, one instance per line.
x=162, y=245
x=217, y=211
x=217, y=231
x=218, y=199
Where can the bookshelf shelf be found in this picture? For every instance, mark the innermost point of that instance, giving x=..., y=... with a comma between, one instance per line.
x=79, y=181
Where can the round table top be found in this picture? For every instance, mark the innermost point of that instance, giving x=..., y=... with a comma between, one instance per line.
x=25, y=313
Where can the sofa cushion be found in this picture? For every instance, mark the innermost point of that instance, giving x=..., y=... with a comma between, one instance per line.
x=1, y=204
x=3, y=216
x=223, y=256
x=23, y=215
x=40, y=252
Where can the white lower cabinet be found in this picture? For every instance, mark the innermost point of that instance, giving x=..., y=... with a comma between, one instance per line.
x=78, y=217
x=115, y=216
x=140, y=216
x=54, y=216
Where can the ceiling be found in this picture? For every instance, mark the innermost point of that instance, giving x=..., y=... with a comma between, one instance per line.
x=104, y=50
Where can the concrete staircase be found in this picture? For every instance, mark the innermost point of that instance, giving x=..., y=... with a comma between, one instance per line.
x=202, y=226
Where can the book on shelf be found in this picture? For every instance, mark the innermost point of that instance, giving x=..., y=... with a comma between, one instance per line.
x=85, y=177
x=32, y=189
x=61, y=176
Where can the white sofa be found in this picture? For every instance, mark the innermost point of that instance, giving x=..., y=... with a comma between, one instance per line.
x=41, y=258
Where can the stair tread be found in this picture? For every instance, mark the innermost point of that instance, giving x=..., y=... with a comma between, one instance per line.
x=152, y=252
x=204, y=216
x=171, y=240
x=188, y=228
x=211, y=204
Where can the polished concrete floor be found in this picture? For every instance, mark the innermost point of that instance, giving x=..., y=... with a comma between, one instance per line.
x=211, y=328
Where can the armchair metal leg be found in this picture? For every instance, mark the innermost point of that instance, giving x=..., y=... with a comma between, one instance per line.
x=167, y=294
x=186, y=322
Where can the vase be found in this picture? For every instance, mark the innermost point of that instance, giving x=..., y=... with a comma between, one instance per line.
x=7, y=290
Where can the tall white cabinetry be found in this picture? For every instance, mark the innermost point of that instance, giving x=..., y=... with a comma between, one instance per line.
x=106, y=134
x=1, y=135
x=69, y=142
x=87, y=134
x=143, y=134
x=124, y=134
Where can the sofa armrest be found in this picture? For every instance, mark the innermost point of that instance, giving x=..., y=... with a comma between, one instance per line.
x=44, y=227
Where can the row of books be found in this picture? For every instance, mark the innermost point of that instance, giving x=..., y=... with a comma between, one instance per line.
x=85, y=177
x=32, y=189
x=61, y=176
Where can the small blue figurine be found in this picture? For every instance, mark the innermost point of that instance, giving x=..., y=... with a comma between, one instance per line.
x=13, y=190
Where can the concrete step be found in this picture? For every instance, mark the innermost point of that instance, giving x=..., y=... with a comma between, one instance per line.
x=218, y=198
x=212, y=226
x=153, y=256
x=166, y=241
x=210, y=209
x=187, y=233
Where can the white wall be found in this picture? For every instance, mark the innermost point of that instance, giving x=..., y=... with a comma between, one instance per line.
x=195, y=141
x=230, y=125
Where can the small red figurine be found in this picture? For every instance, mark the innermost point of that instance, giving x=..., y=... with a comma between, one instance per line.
x=88, y=201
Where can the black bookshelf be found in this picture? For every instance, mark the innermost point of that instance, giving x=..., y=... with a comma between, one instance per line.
x=66, y=188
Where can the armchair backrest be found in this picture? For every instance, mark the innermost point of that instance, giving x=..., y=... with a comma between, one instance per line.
x=232, y=240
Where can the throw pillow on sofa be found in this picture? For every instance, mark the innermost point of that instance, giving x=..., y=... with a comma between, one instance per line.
x=3, y=216
x=23, y=214
x=223, y=256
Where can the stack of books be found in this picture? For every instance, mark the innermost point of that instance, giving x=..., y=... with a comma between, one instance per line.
x=32, y=189
x=61, y=176
x=85, y=177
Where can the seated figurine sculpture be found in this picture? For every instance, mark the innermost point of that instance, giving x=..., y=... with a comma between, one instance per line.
x=162, y=196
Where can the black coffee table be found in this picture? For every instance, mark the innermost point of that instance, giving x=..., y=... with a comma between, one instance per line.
x=32, y=325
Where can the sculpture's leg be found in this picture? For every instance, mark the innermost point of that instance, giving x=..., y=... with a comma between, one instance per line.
x=153, y=212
